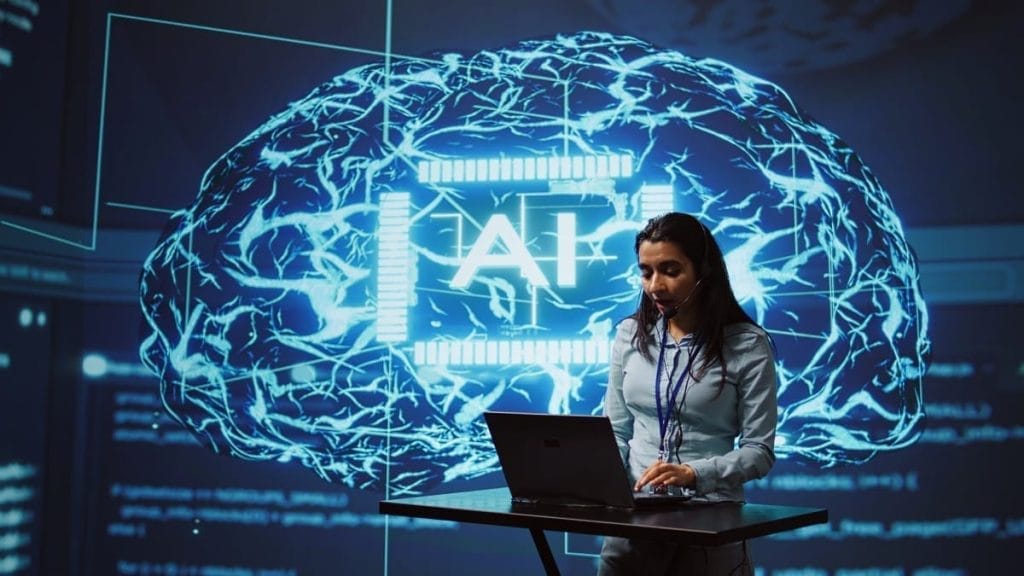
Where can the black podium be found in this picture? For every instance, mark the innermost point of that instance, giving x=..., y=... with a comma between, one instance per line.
x=691, y=523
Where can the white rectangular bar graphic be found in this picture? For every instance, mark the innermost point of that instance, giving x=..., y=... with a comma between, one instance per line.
x=655, y=199
x=601, y=166
x=510, y=352
x=393, y=284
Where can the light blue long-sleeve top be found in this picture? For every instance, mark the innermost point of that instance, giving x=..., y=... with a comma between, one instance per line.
x=725, y=433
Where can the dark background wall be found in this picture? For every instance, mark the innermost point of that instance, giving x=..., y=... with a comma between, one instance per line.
x=111, y=112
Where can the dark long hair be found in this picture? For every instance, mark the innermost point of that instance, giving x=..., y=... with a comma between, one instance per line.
x=714, y=300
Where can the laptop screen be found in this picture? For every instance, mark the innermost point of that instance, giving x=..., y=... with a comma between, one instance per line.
x=560, y=459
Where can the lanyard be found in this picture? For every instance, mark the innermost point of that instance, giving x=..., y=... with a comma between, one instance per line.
x=665, y=415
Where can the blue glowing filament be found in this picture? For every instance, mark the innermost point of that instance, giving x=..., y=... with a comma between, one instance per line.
x=351, y=292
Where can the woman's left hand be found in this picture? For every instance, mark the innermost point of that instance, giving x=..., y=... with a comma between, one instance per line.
x=662, y=474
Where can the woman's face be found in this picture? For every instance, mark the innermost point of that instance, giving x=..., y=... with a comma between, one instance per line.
x=667, y=275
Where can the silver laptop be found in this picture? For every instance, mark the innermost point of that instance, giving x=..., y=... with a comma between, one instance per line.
x=566, y=459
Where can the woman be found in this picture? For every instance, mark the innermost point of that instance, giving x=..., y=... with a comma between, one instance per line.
x=690, y=373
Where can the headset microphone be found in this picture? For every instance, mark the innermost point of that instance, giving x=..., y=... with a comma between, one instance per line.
x=690, y=295
x=668, y=314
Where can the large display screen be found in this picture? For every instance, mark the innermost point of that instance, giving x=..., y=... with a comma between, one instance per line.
x=33, y=41
x=320, y=242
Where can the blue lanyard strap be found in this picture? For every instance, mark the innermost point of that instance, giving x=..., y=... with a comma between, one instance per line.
x=665, y=414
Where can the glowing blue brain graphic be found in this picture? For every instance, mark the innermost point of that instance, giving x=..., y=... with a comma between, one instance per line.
x=372, y=268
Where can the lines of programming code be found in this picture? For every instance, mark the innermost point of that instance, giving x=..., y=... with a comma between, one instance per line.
x=16, y=16
x=844, y=528
x=939, y=507
x=18, y=503
x=162, y=503
x=24, y=331
x=32, y=66
x=125, y=568
x=138, y=507
x=165, y=505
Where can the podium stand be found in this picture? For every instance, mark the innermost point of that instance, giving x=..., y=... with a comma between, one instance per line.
x=690, y=523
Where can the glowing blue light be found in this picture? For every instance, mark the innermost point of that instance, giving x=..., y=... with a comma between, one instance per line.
x=25, y=318
x=516, y=169
x=303, y=373
x=510, y=352
x=393, y=262
x=656, y=199
x=94, y=365
x=566, y=234
x=479, y=255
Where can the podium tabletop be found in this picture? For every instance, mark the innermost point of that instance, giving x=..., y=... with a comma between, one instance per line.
x=690, y=523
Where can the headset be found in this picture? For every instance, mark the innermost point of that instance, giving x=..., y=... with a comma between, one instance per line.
x=677, y=440
x=668, y=314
